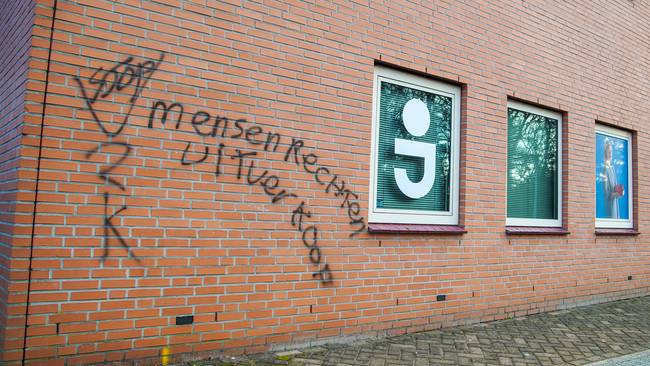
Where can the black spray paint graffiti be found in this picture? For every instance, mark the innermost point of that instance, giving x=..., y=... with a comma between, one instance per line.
x=205, y=125
x=221, y=126
x=128, y=79
x=226, y=128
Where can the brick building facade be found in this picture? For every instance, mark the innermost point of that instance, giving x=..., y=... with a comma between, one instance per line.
x=197, y=175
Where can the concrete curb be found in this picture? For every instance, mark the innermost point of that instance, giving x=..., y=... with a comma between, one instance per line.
x=634, y=359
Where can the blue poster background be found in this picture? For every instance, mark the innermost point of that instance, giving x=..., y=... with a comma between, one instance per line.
x=620, y=165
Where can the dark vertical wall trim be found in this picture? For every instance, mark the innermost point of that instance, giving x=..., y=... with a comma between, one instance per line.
x=38, y=175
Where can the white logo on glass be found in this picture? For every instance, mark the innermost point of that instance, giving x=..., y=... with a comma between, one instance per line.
x=416, y=119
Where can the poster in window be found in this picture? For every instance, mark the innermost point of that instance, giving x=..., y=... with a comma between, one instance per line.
x=612, y=186
x=419, y=122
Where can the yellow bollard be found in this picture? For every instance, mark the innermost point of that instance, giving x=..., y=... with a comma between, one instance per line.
x=164, y=356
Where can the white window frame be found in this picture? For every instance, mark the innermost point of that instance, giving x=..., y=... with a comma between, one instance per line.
x=400, y=216
x=514, y=221
x=618, y=223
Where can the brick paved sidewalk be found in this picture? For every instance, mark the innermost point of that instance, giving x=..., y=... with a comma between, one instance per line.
x=573, y=337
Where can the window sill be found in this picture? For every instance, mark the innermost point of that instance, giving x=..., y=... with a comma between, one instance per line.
x=616, y=231
x=416, y=229
x=532, y=230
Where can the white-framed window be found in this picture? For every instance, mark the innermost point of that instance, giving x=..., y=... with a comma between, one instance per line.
x=534, y=188
x=614, y=185
x=415, y=149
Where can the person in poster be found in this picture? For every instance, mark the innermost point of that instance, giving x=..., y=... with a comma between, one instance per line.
x=612, y=190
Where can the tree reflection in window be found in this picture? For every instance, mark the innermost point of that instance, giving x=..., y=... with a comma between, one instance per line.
x=532, y=165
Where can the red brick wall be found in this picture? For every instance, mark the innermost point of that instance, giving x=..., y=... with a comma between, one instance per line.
x=140, y=222
x=16, y=19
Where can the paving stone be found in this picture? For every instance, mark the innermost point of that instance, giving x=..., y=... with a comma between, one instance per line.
x=403, y=346
x=305, y=361
x=287, y=354
x=313, y=350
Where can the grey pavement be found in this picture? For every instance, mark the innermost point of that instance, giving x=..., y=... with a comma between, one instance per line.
x=579, y=336
x=635, y=359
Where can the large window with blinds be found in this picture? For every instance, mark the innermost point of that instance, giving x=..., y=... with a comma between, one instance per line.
x=415, y=147
x=534, y=175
